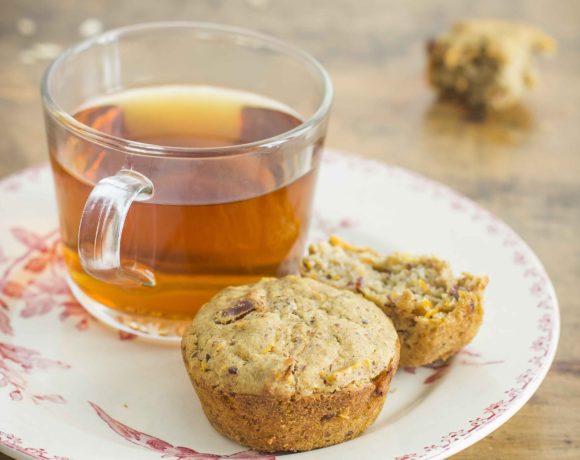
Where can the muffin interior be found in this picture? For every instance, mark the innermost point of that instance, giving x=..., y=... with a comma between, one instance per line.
x=421, y=286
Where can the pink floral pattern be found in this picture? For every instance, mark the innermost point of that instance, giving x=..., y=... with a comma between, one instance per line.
x=14, y=182
x=473, y=358
x=322, y=226
x=35, y=281
x=15, y=363
x=166, y=449
x=438, y=370
x=14, y=443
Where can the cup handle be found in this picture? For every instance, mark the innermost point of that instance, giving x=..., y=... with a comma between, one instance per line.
x=102, y=225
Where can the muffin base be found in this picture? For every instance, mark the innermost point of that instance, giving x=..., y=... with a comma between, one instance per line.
x=271, y=424
x=428, y=340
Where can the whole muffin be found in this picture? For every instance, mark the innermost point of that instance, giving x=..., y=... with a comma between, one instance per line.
x=290, y=364
x=435, y=314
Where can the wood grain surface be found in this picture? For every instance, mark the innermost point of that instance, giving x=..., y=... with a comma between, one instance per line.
x=522, y=165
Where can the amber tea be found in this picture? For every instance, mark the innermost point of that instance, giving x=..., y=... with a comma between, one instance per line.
x=206, y=227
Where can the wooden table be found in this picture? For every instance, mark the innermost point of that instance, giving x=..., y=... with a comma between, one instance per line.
x=523, y=165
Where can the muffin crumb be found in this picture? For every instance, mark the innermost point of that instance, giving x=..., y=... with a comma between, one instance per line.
x=486, y=64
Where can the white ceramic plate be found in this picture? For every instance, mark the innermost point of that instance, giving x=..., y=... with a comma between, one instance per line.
x=71, y=388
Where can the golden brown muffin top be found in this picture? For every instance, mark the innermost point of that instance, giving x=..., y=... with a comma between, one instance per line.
x=288, y=336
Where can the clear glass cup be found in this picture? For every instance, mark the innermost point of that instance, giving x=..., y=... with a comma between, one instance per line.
x=112, y=219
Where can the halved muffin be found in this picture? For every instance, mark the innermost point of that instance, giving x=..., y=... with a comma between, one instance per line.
x=435, y=314
x=290, y=364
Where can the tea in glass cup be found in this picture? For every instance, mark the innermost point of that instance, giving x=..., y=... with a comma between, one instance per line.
x=178, y=174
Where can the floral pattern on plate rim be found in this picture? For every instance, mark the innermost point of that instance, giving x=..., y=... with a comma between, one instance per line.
x=14, y=443
x=543, y=347
x=15, y=362
x=35, y=279
x=168, y=450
